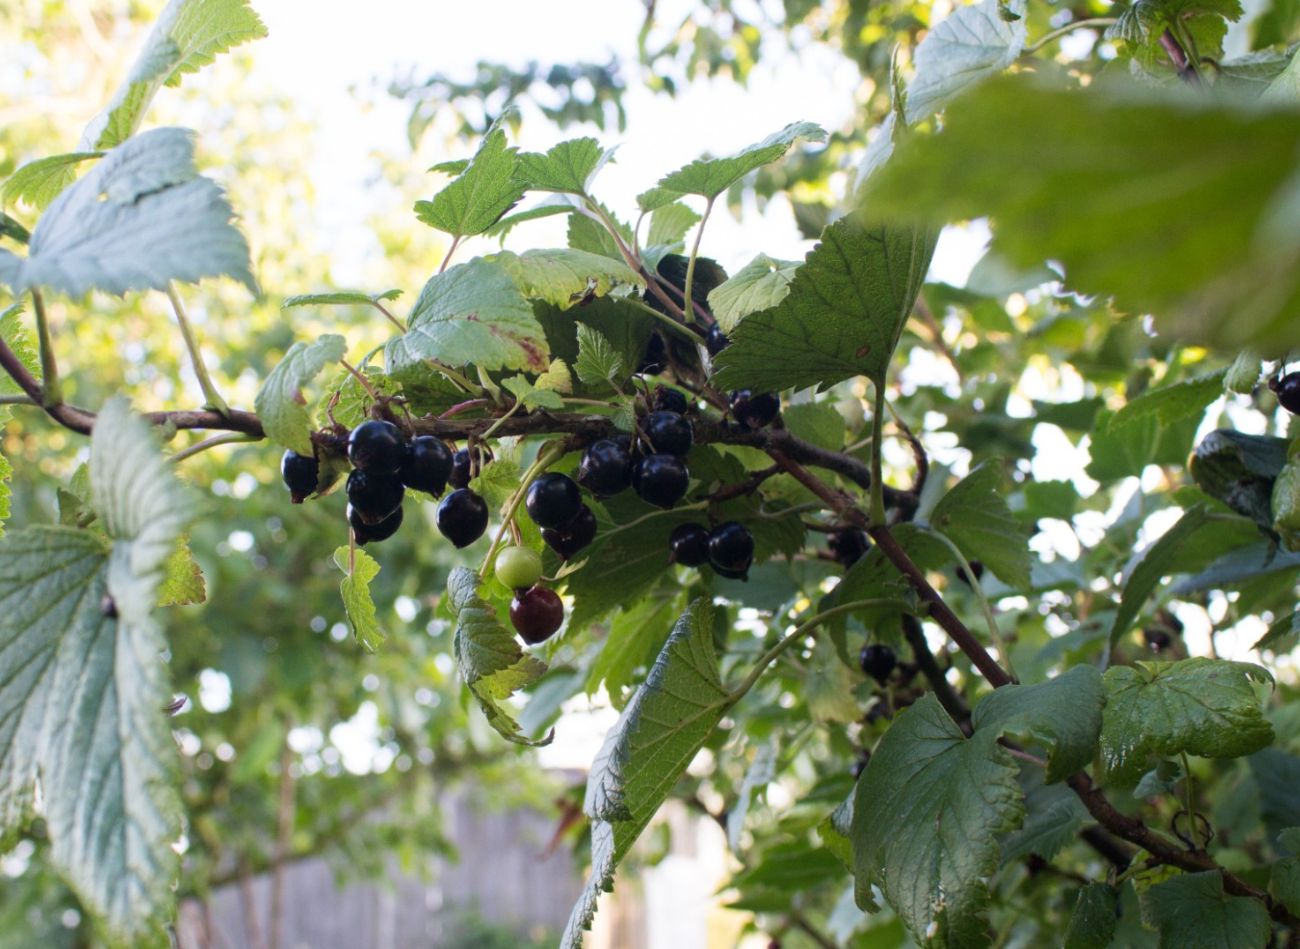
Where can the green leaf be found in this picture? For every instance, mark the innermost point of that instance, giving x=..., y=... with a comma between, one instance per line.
x=842, y=318
x=597, y=360
x=567, y=167
x=760, y=773
x=927, y=814
x=1239, y=470
x=1097, y=204
x=1282, y=635
x=828, y=686
x=969, y=44
x=480, y=194
x=1284, y=880
x=1173, y=403
x=531, y=396
x=759, y=285
x=1200, y=706
x=280, y=402
x=355, y=589
x=471, y=313
x=564, y=277
x=670, y=224
x=975, y=516
x=1063, y=714
x=496, y=482
x=490, y=660
x=817, y=422
x=710, y=177
x=661, y=729
x=188, y=35
x=39, y=182
x=549, y=208
x=340, y=298
x=183, y=583
x=1092, y=922
x=1054, y=816
x=635, y=637
x=13, y=230
x=1192, y=911
x=1141, y=25
x=138, y=220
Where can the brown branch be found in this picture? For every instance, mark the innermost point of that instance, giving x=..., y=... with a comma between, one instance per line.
x=948, y=697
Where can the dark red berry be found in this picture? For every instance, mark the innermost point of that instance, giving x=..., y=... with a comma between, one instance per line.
x=378, y=446
x=715, y=341
x=462, y=517
x=656, y=354
x=569, y=538
x=664, y=399
x=606, y=467
x=755, y=409
x=374, y=496
x=878, y=661
x=848, y=544
x=690, y=545
x=660, y=480
x=301, y=474
x=536, y=614
x=459, y=477
x=427, y=465
x=553, y=500
x=365, y=533
x=731, y=549
x=669, y=433
x=1287, y=390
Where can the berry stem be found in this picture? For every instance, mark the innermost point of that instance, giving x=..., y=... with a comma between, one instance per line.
x=550, y=453
x=498, y=423
x=666, y=321
x=225, y=438
x=361, y=380
x=51, y=390
x=211, y=397
x=995, y=634
x=877, y=465
x=688, y=301
x=455, y=242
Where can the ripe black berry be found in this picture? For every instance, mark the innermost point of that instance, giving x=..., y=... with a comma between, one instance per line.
x=669, y=433
x=690, y=545
x=848, y=544
x=1157, y=638
x=660, y=480
x=376, y=445
x=977, y=568
x=427, y=465
x=571, y=537
x=656, y=354
x=1287, y=390
x=553, y=500
x=715, y=341
x=664, y=399
x=300, y=474
x=365, y=533
x=731, y=549
x=462, y=517
x=606, y=467
x=459, y=477
x=877, y=661
x=374, y=496
x=536, y=614
x=755, y=409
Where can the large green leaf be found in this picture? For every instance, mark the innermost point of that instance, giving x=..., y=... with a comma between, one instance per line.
x=1173, y=403
x=359, y=569
x=1092, y=922
x=1064, y=714
x=1239, y=470
x=967, y=45
x=39, y=182
x=564, y=277
x=661, y=729
x=490, y=660
x=483, y=191
x=975, y=516
x=471, y=313
x=843, y=316
x=759, y=285
x=567, y=167
x=1199, y=706
x=280, y=402
x=1192, y=911
x=187, y=35
x=1154, y=167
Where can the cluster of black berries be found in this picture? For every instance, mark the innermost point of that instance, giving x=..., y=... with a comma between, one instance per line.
x=728, y=548
x=384, y=465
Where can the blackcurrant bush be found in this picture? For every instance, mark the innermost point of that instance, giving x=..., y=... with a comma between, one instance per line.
x=459, y=477
x=301, y=474
x=877, y=661
x=553, y=500
x=536, y=613
x=664, y=399
x=690, y=545
x=1287, y=390
x=755, y=409
x=731, y=549
x=376, y=445
x=365, y=533
x=606, y=467
x=660, y=480
x=571, y=537
x=848, y=544
x=656, y=354
x=669, y=433
x=427, y=464
x=518, y=567
x=462, y=517
x=715, y=341
x=374, y=496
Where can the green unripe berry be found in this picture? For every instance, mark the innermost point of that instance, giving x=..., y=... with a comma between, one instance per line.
x=519, y=567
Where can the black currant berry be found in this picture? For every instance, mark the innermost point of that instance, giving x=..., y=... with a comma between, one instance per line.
x=1157, y=638
x=567, y=539
x=715, y=341
x=536, y=614
x=606, y=467
x=690, y=545
x=374, y=496
x=462, y=517
x=877, y=661
x=656, y=354
x=669, y=433
x=660, y=480
x=755, y=409
x=731, y=549
x=664, y=399
x=1287, y=390
x=301, y=474
x=848, y=544
x=553, y=500
x=378, y=446
x=427, y=465
x=976, y=567
x=459, y=477
x=365, y=533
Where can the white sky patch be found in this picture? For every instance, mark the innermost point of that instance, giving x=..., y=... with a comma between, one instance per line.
x=214, y=691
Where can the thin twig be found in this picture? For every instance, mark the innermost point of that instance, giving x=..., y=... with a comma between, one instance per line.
x=212, y=398
x=50, y=392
